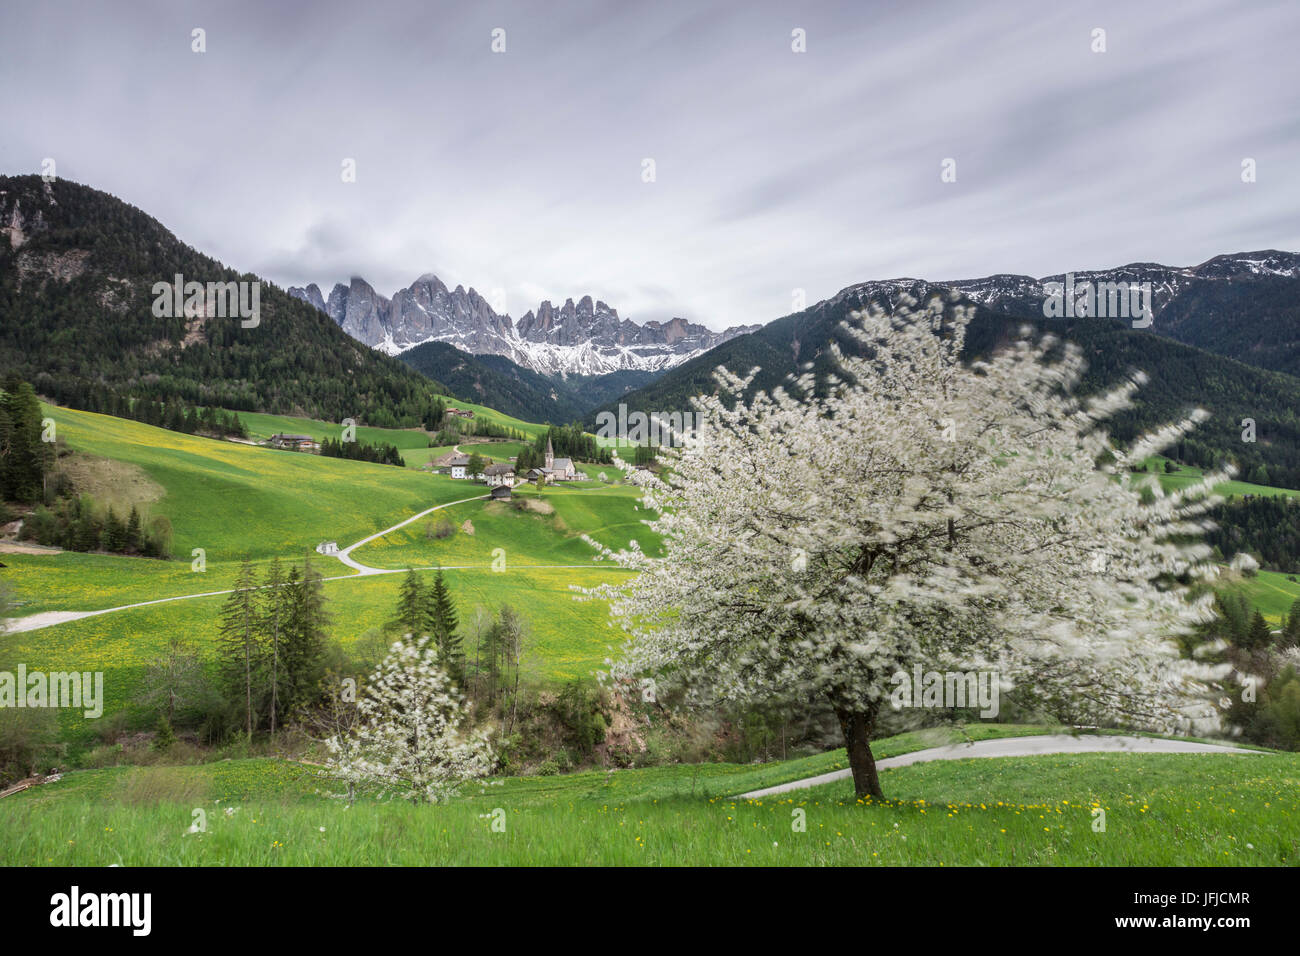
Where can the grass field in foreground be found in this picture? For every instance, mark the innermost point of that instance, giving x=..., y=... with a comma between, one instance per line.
x=1160, y=810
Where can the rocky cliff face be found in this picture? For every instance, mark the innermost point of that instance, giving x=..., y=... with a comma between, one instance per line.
x=585, y=338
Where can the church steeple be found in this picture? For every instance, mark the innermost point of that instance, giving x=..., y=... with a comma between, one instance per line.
x=550, y=454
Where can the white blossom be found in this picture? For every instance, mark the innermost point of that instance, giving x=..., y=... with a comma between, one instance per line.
x=408, y=737
x=962, y=516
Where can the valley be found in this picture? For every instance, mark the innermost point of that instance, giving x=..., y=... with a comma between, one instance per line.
x=229, y=501
x=174, y=420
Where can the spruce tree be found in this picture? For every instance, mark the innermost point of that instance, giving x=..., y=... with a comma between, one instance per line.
x=1259, y=635
x=1291, y=630
x=442, y=625
x=24, y=457
x=273, y=619
x=412, y=617
x=114, y=532
x=239, y=647
x=304, y=638
x=133, y=540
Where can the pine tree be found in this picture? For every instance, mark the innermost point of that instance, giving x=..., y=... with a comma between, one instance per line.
x=304, y=638
x=273, y=618
x=239, y=647
x=114, y=533
x=442, y=625
x=133, y=541
x=23, y=457
x=1259, y=635
x=1291, y=630
x=412, y=617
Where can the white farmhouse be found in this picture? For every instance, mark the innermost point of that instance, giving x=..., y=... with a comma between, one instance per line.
x=499, y=475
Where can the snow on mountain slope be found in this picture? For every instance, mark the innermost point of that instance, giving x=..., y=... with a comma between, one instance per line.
x=1025, y=294
x=583, y=338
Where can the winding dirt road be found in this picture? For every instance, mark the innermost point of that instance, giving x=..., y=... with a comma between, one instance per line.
x=34, y=622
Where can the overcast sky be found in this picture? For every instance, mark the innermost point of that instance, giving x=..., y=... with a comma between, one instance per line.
x=774, y=170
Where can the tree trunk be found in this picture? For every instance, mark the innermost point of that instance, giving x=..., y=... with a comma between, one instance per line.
x=857, y=727
x=248, y=684
x=275, y=675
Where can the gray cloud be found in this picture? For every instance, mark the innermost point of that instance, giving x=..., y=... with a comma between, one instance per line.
x=775, y=170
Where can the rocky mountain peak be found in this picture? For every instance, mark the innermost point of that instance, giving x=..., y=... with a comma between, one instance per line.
x=582, y=337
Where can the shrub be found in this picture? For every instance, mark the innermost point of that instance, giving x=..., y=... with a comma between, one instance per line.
x=28, y=742
x=165, y=736
x=1280, y=714
x=580, y=712
x=111, y=726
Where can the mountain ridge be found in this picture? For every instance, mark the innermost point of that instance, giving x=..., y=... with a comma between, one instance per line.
x=1243, y=305
x=586, y=337
x=1182, y=374
x=78, y=319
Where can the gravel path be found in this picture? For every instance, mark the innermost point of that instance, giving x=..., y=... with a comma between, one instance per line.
x=34, y=622
x=1018, y=747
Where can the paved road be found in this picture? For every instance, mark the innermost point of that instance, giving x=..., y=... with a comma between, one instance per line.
x=1018, y=747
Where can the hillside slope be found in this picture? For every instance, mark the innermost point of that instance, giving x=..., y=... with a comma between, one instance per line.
x=77, y=272
x=1181, y=377
x=496, y=381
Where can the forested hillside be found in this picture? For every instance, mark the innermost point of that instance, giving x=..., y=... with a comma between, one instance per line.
x=77, y=271
x=496, y=381
x=1181, y=378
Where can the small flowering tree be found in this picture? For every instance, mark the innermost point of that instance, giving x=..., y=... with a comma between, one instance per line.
x=963, y=517
x=408, y=734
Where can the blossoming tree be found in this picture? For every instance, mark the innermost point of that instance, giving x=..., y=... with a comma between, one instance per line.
x=408, y=734
x=959, y=516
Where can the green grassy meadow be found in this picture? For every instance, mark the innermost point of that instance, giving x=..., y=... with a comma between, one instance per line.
x=1160, y=810
x=411, y=442
x=566, y=638
x=483, y=413
x=1271, y=593
x=1186, y=475
x=549, y=536
x=261, y=427
x=233, y=500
